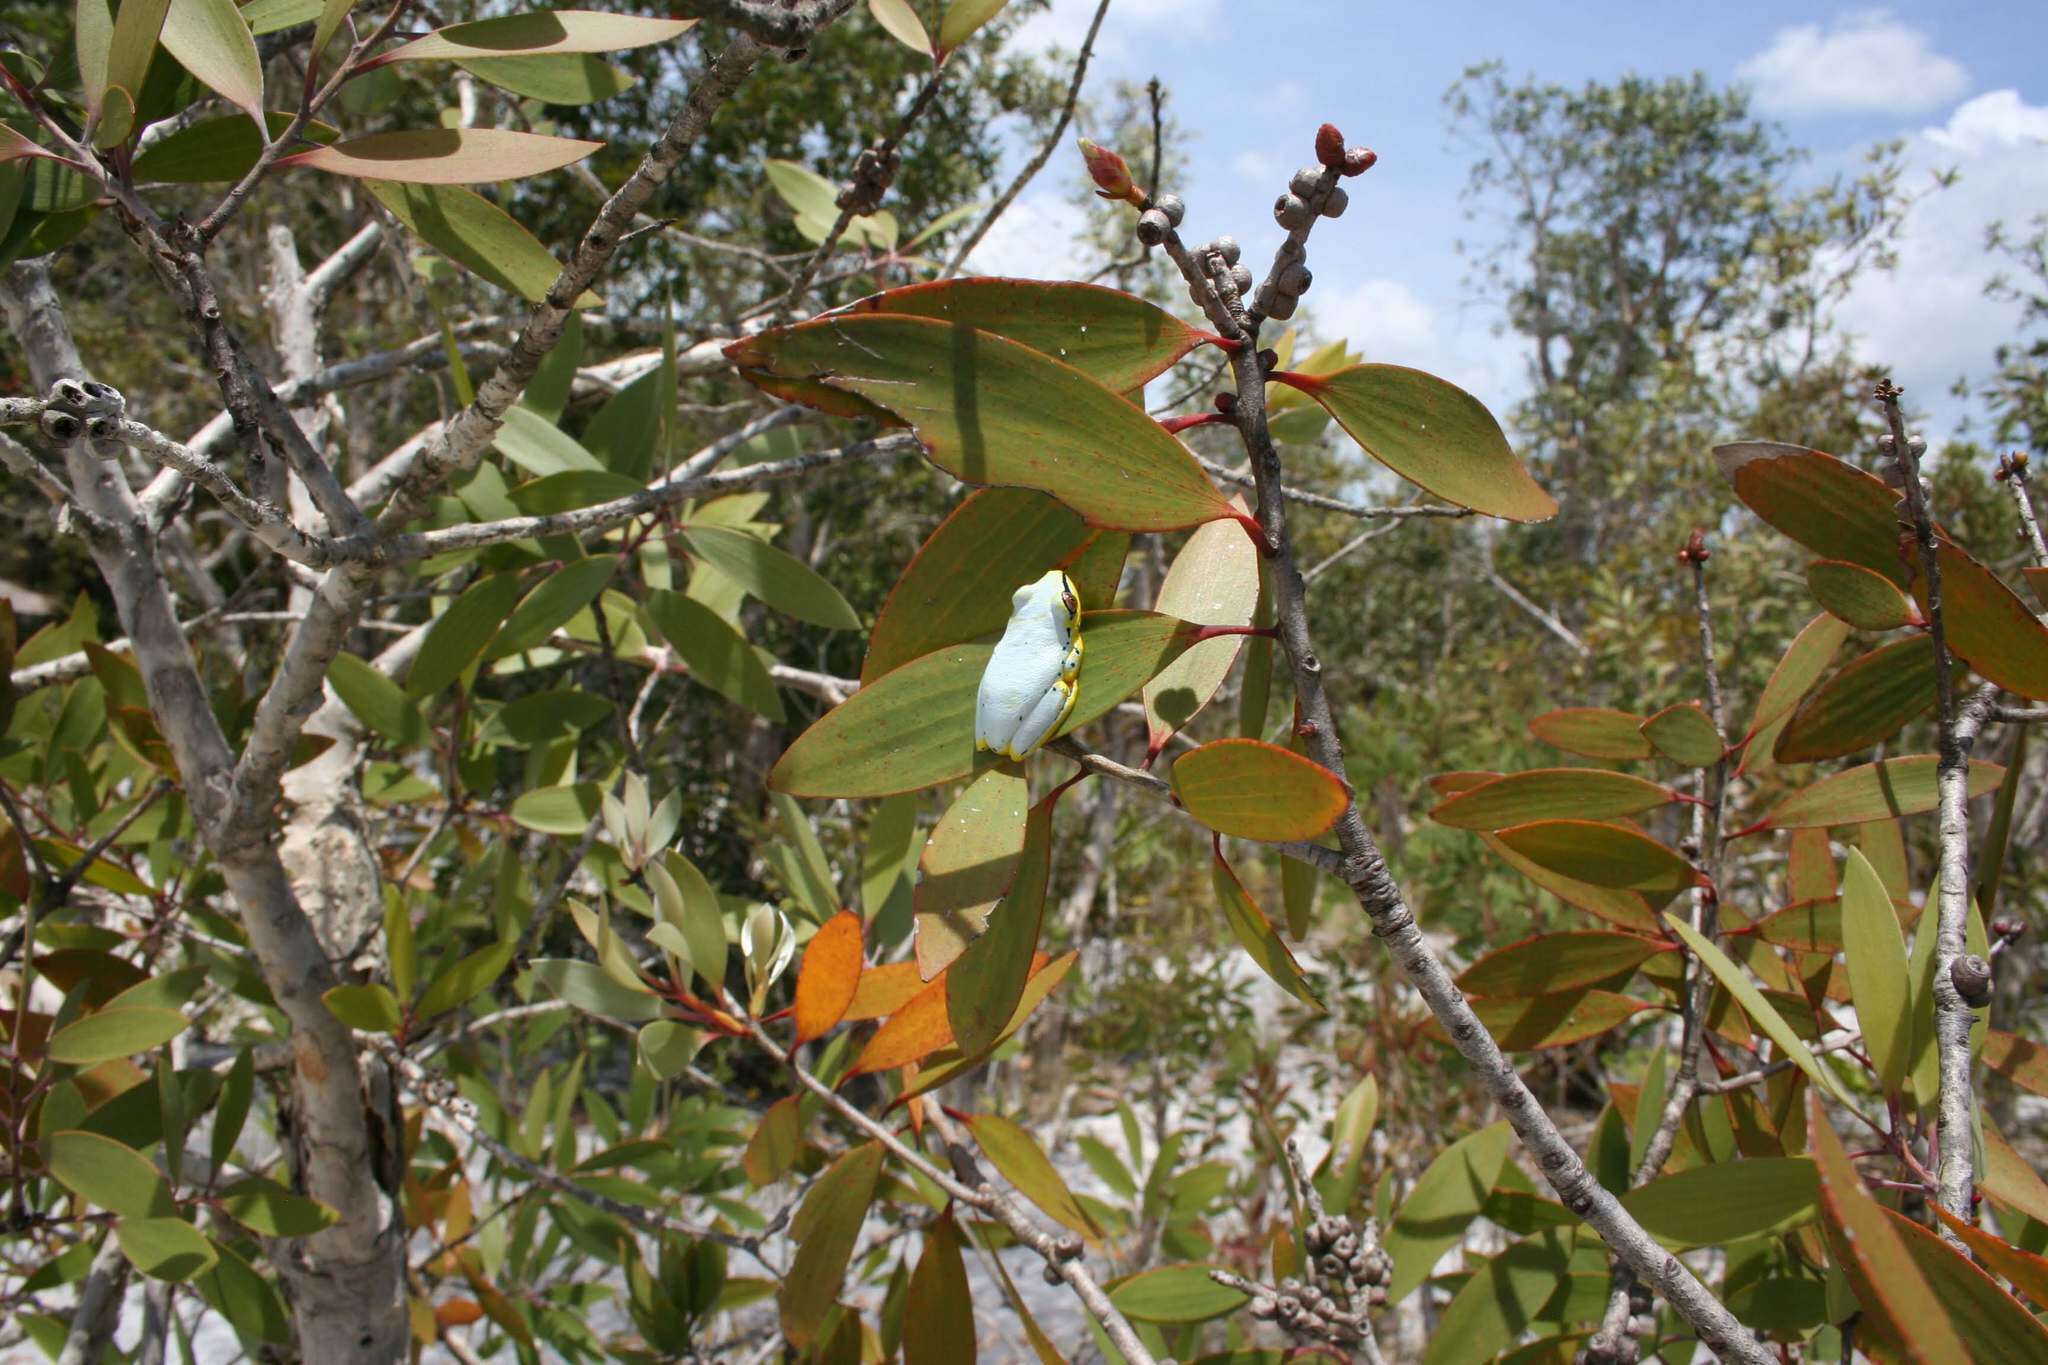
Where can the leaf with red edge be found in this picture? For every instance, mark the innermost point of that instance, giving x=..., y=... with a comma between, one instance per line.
x=1825, y=504
x=1873, y=791
x=1255, y=933
x=2027, y=1271
x=444, y=156
x=1866, y=702
x=1603, y=854
x=1806, y=658
x=826, y=1228
x=1684, y=733
x=2009, y=1178
x=1886, y=1280
x=1531, y=1023
x=968, y=865
x=1549, y=963
x=1117, y=339
x=949, y=1062
x=2022, y=1061
x=2037, y=583
x=1627, y=909
x=985, y=984
x=1213, y=581
x=1987, y=625
x=1549, y=794
x=1450, y=784
x=1592, y=732
x=1016, y=1154
x=911, y=1034
x=958, y=585
x=1255, y=790
x=830, y=974
x=994, y=411
x=1865, y=599
x=1992, y=1323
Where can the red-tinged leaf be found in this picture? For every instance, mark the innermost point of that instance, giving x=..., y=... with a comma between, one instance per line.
x=2009, y=1179
x=1810, y=866
x=1534, y=1022
x=1032, y=422
x=968, y=865
x=2037, y=582
x=943, y=1066
x=1866, y=702
x=1815, y=926
x=1213, y=581
x=1549, y=963
x=2027, y=1271
x=444, y=156
x=1884, y=843
x=777, y=1139
x=1806, y=658
x=1255, y=790
x=1987, y=625
x=1117, y=339
x=1884, y=1275
x=1866, y=600
x=1592, y=732
x=1450, y=784
x=1992, y=1323
x=958, y=585
x=984, y=986
x=1684, y=734
x=829, y=976
x=1017, y=1155
x=914, y=727
x=535, y=34
x=1727, y=1201
x=911, y=1034
x=1549, y=794
x=938, y=1309
x=1832, y=508
x=1603, y=854
x=1626, y=909
x=2020, y=1060
x=883, y=990
x=826, y=1228
x=1255, y=934
x=1432, y=434
x=1874, y=791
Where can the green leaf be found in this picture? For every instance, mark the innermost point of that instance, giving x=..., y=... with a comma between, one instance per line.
x=108, y=1174
x=1626, y=909
x=1350, y=1135
x=460, y=633
x=1805, y=660
x=718, y=656
x=1551, y=793
x=535, y=33
x=1877, y=971
x=667, y=1047
x=111, y=1033
x=443, y=156
x=217, y=149
x=958, y=585
x=938, y=1307
x=1117, y=339
x=558, y=810
x=1992, y=1323
x=1029, y=420
x=900, y=22
x=1174, y=1293
x=1874, y=791
x=567, y=79
x=377, y=701
x=472, y=231
x=211, y=40
x=165, y=1248
x=586, y=986
x=1442, y=1205
x=332, y=12
x=1649, y=1112
x=984, y=986
x=1592, y=732
x=1727, y=1201
x=813, y=197
x=1213, y=581
x=1685, y=734
x=461, y=982
x=914, y=727
x=1016, y=1154
x=685, y=899
x=1254, y=933
x=968, y=865
x=371, y=1008
x=1603, y=854
x=1531, y=1023
x=1254, y=790
x=782, y=582
x=92, y=45
x=550, y=606
x=1434, y=435
x=826, y=1228
x=1499, y=1302
x=266, y=1207
x=137, y=27
x=1867, y=702
x=248, y=1301
x=1760, y=1011
x=232, y=1110
x=1558, y=962
x=538, y=446
x=1866, y=600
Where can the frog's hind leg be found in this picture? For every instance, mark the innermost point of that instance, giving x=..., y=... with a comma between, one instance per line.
x=1043, y=718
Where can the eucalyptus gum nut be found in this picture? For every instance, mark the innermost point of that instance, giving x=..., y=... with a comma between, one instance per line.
x=1227, y=246
x=60, y=426
x=1241, y=276
x=1295, y=280
x=1153, y=227
x=1304, y=181
x=1283, y=306
x=1336, y=202
x=1172, y=207
x=1291, y=212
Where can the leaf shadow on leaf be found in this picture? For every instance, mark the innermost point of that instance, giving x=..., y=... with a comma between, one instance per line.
x=967, y=404
x=1176, y=705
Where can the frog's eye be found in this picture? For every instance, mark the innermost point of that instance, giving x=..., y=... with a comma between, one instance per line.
x=1067, y=598
x=1067, y=601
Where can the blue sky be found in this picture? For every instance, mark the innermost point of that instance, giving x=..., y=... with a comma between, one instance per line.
x=1963, y=83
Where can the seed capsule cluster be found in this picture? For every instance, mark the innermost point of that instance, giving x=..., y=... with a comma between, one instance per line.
x=89, y=409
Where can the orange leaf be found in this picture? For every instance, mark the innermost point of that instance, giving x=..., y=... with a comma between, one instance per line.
x=883, y=991
x=457, y=1312
x=2028, y=1272
x=914, y=1032
x=830, y=975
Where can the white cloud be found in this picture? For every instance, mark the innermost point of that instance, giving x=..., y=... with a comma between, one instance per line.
x=1866, y=62
x=1929, y=320
x=1064, y=25
x=1037, y=238
x=1261, y=168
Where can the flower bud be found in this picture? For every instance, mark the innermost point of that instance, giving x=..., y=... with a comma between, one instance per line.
x=1172, y=207
x=1111, y=176
x=1291, y=211
x=1359, y=160
x=1153, y=227
x=1226, y=402
x=1330, y=145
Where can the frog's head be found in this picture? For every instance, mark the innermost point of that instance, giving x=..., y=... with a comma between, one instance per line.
x=1052, y=593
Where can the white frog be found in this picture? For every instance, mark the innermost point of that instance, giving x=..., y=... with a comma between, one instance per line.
x=1028, y=690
